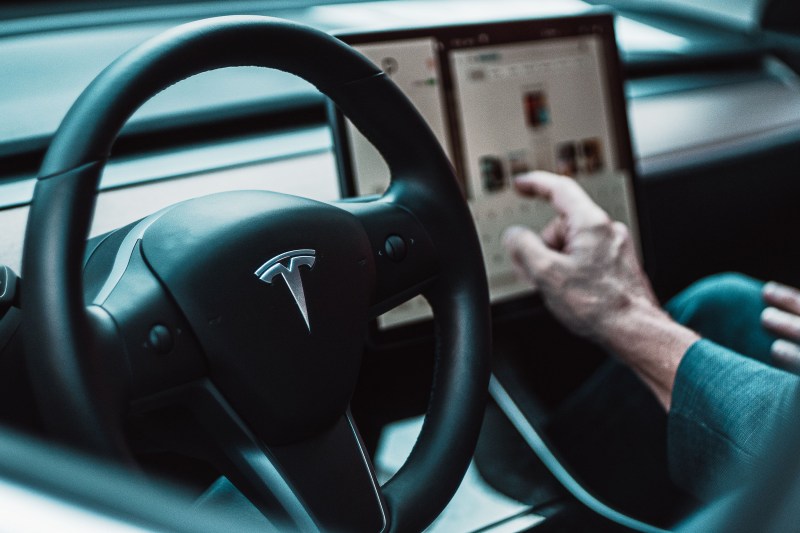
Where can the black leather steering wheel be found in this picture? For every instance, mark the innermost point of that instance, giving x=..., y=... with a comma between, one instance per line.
x=232, y=326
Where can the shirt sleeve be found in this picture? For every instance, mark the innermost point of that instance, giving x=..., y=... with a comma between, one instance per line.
x=725, y=408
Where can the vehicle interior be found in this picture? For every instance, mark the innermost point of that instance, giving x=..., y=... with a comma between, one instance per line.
x=163, y=164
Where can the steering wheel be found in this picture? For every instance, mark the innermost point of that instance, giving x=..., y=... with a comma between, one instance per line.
x=232, y=326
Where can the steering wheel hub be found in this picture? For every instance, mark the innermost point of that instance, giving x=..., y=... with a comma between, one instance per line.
x=247, y=269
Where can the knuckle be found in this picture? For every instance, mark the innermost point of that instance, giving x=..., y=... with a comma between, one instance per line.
x=785, y=297
x=571, y=184
x=787, y=324
x=793, y=326
x=546, y=269
x=794, y=298
x=621, y=230
x=622, y=234
x=528, y=252
x=546, y=266
x=603, y=225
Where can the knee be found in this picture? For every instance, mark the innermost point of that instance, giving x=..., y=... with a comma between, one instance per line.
x=714, y=296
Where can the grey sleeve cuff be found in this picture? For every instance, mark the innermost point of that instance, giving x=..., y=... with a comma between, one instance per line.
x=724, y=409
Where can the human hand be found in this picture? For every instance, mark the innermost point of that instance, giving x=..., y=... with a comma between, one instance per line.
x=782, y=317
x=583, y=262
x=585, y=266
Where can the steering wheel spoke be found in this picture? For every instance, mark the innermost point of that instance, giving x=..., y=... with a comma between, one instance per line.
x=336, y=478
x=322, y=483
x=161, y=350
x=405, y=257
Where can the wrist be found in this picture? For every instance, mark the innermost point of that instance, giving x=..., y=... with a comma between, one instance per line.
x=650, y=342
x=621, y=328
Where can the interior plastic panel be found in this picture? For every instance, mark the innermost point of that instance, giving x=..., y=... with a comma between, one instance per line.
x=689, y=127
x=718, y=167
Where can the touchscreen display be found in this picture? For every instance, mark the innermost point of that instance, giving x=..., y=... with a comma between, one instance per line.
x=501, y=107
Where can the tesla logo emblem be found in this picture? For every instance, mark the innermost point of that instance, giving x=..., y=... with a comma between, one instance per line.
x=290, y=273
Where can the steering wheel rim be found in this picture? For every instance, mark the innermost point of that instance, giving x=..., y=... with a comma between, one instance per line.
x=84, y=408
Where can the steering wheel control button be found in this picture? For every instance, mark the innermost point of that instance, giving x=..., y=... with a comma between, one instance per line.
x=160, y=338
x=395, y=248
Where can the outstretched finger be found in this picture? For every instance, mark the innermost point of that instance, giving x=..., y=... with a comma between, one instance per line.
x=529, y=253
x=567, y=197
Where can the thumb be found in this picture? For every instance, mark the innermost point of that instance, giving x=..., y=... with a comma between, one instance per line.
x=529, y=253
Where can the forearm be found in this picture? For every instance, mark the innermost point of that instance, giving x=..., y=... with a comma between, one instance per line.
x=646, y=339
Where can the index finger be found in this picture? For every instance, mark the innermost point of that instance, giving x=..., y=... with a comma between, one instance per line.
x=566, y=196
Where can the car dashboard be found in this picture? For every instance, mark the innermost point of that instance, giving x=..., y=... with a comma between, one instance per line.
x=713, y=112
